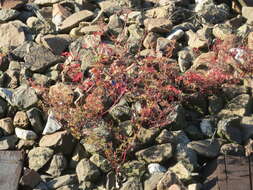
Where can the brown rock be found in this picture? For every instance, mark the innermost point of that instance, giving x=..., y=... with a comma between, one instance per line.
x=150, y=40
x=30, y=178
x=62, y=141
x=12, y=4
x=56, y=43
x=170, y=182
x=159, y=25
x=21, y=120
x=74, y=19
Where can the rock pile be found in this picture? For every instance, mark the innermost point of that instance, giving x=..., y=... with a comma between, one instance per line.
x=36, y=33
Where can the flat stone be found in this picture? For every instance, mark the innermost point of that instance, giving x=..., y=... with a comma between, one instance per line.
x=157, y=153
x=8, y=142
x=12, y=34
x=250, y=40
x=37, y=58
x=56, y=43
x=39, y=156
x=74, y=19
x=25, y=134
x=247, y=12
x=206, y=147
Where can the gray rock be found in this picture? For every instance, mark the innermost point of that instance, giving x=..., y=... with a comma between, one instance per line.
x=109, y=7
x=240, y=105
x=37, y=58
x=74, y=19
x=168, y=179
x=101, y=162
x=206, y=126
x=56, y=43
x=115, y=24
x=61, y=141
x=158, y=25
x=177, y=118
x=132, y=183
x=150, y=40
x=30, y=178
x=13, y=34
x=232, y=149
x=134, y=168
x=62, y=181
x=222, y=31
x=175, y=34
x=184, y=60
x=213, y=14
x=6, y=126
x=156, y=168
x=147, y=135
x=25, y=134
x=41, y=186
x=194, y=132
x=57, y=165
x=8, y=142
x=52, y=125
x=206, y=147
x=183, y=170
x=3, y=106
x=230, y=129
x=180, y=137
x=24, y=97
x=36, y=119
x=215, y=104
x=8, y=14
x=78, y=154
x=87, y=171
x=38, y=26
x=157, y=153
x=39, y=156
x=121, y=113
x=165, y=137
x=151, y=183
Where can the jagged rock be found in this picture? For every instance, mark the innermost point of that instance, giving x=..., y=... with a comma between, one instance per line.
x=78, y=154
x=247, y=12
x=37, y=58
x=247, y=127
x=62, y=181
x=13, y=34
x=100, y=162
x=156, y=168
x=115, y=24
x=39, y=156
x=177, y=118
x=60, y=141
x=109, y=7
x=121, y=113
x=165, y=137
x=25, y=134
x=8, y=14
x=56, y=43
x=87, y=171
x=147, y=135
x=7, y=126
x=230, y=129
x=30, y=178
x=206, y=126
x=151, y=183
x=13, y=4
x=25, y=144
x=150, y=40
x=195, y=186
x=215, y=104
x=222, y=31
x=185, y=59
x=183, y=170
x=61, y=93
x=52, y=125
x=8, y=142
x=57, y=165
x=36, y=119
x=206, y=148
x=194, y=132
x=132, y=183
x=157, y=153
x=21, y=120
x=158, y=25
x=168, y=179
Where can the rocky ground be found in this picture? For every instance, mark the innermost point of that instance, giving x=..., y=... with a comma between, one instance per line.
x=51, y=74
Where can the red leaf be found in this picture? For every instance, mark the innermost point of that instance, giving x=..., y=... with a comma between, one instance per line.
x=78, y=77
